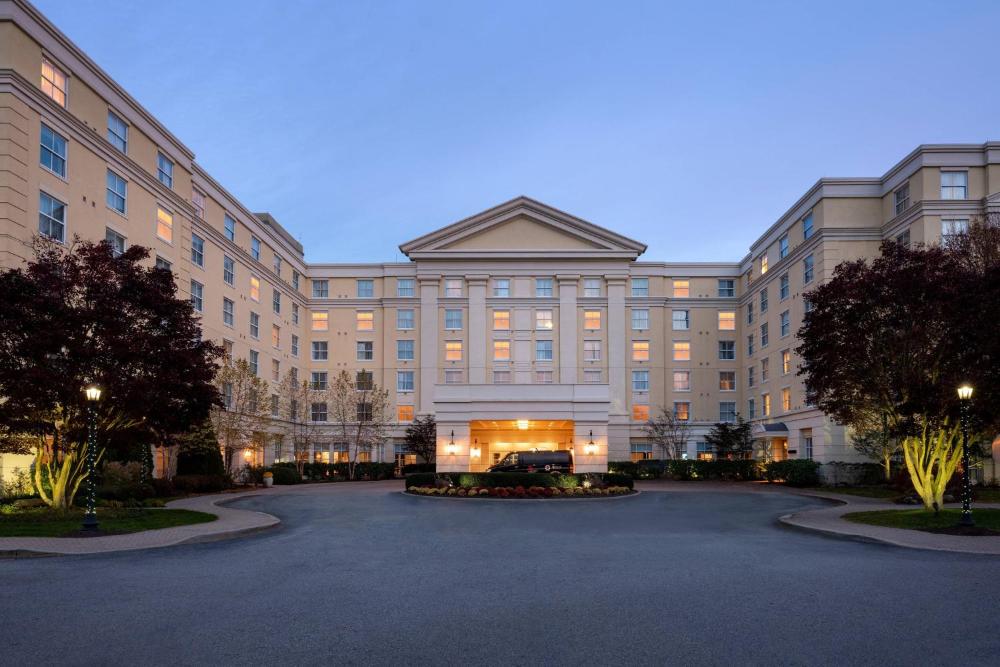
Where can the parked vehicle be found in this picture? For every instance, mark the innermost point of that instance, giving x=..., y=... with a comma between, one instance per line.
x=556, y=462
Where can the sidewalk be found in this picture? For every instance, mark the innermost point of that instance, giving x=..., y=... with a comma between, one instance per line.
x=231, y=523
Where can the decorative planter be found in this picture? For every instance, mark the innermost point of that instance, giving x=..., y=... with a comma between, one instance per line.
x=268, y=482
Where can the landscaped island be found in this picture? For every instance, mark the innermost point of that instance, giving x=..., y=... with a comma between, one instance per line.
x=518, y=485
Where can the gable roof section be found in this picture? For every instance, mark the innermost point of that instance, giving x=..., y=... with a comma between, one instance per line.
x=522, y=228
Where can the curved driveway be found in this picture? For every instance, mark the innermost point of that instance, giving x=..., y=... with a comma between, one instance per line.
x=360, y=574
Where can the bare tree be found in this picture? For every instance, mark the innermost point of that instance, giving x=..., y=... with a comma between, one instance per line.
x=668, y=432
x=295, y=419
x=360, y=410
x=245, y=415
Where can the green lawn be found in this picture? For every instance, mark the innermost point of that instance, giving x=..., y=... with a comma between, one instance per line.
x=925, y=519
x=42, y=522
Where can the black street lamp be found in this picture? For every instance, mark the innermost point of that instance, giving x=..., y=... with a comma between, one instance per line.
x=93, y=393
x=964, y=397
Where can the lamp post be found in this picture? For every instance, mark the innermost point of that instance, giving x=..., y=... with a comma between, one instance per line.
x=964, y=397
x=93, y=394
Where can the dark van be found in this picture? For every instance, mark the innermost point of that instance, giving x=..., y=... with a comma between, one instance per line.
x=559, y=461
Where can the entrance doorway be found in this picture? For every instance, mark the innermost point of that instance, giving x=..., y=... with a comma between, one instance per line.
x=491, y=440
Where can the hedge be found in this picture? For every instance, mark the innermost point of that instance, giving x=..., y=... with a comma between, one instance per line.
x=515, y=479
x=374, y=471
x=285, y=473
x=411, y=468
x=686, y=469
x=200, y=483
x=793, y=472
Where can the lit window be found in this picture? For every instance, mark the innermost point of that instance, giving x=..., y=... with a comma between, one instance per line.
x=640, y=413
x=228, y=312
x=727, y=287
x=807, y=270
x=197, y=250
x=682, y=380
x=53, y=82
x=321, y=289
x=501, y=287
x=640, y=380
x=641, y=451
x=52, y=155
x=765, y=401
x=901, y=198
x=591, y=350
x=783, y=287
x=404, y=350
x=453, y=350
x=543, y=287
x=404, y=413
x=783, y=247
x=954, y=184
x=727, y=380
x=118, y=132
x=366, y=350
x=320, y=320
x=681, y=320
x=786, y=399
x=452, y=319
x=640, y=350
x=543, y=377
x=501, y=350
x=785, y=322
x=404, y=381
x=228, y=270
x=254, y=325
x=365, y=320
x=197, y=294
x=592, y=320
x=255, y=288
x=255, y=248
x=543, y=350
x=501, y=377
x=165, y=170
x=405, y=287
x=115, y=240
x=640, y=287
x=786, y=362
x=453, y=287
x=682, y=350
x=727, y=350
x=275, y=335
x=164, y=225
x=727, y=320
x=501, y=320
x=404, y=319
x=682, y=411
x=230, y=225
x=682, y=289
x=365, y=289
x=807, y=227
x=640, y=319
x=592, y=287
x=763, y=264
x=117, y=192
x=543, y=320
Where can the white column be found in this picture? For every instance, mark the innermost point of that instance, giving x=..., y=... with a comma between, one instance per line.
x=568, y=340
x=477, y=328
x=428, y=341
x=453, y=447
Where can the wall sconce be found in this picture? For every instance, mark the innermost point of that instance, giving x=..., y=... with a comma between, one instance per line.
x=247, y=454
x=590, y=449
x=452, y=448
x=474, y=451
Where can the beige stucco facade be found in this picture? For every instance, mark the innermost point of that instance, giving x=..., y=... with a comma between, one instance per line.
x=521, y=313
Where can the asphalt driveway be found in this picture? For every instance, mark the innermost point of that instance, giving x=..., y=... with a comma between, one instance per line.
x=360, y=574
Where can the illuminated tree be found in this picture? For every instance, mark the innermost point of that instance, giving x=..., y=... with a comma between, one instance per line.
x=244, y=415
x=668, y=433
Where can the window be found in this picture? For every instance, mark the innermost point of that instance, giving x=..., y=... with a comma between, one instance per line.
x=727, y=380
x=543, y=350
x=543, y=377
x=592, y=320
x=681, y=320
x=705, y=451
x=404, y=350
x=640, y=413
x=365, y=320
x=165, y=170
x=53, y=82
x=727, y=350
x=453, y=287
x=321, y=289
x=954, y=184
x=682, y=350
x=765, y=369
x=786, y=400
x=320, y=320
x=592, y=376
x=785, y=323
x=807, y=227
x=295, y=313
x=364, y=413
x=640, y=380
x=115, y=240
x=750, y=375
x=364, y=381
x=727, y=287
x=543, y=288
x=230, y=225
x=117, y=192
x=640, y=350
x=640, y=319
x=501, y=320
x=51, y=217
x=118, y=133
x=807, y=270
x=405, y=287
x=786, y=362
x=751, y=408
x=198, y=201
x=592, y=287
x=228, y=311
x=750, y=312
x=228, y=270
x=501, y=350
x=901, y=198
x=750, y=344
x=727, y=411
x=404, y=380
x=295, y=346
x=275, y=336
x=254, y=360
x=682, y=289
x=452, y=319
x=763, y=300
x=320, y=351
x=162, y=263
x=727, y=320
x=295, y=279
x=255, y=288
x=318, y=412
x=501, y=377
x=404, y=413
x=197, y=294
x=640, y=287
x=255, y=248
x=591, y=350
x=501, y=287
x=453, y=350
x=164, y=225
x=274, y=402
x=764, y=337
x=276, y=263
x=543, y=320
x=765, y=405
x=365, y=289
x=318, y=380
x=952, y=227
x=227, y=395
x=53, y=151
x=641, y=450
x=682, y=380
x=197, y=250
x=903, y=238
x=783, y=287
x=682, y=411
x=366, y=350
x=783, y=247
x=763, y=264
x=254, y=325
x=807, y=444
x=807, y=305
x=404, y=319
x=453, y=377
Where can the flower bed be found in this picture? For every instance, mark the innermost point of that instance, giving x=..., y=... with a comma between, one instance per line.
x=519, y=492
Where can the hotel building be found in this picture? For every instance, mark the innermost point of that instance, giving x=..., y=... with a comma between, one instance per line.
x=519, y=327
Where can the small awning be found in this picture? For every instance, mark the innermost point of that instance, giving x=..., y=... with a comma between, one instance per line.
x=772, y=430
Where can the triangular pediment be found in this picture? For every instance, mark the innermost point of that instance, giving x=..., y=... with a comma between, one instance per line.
x=522, y=227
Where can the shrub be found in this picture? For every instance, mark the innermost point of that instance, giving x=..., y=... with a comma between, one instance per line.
x=418, y=467
x=200, y=483
x=285, y=473
x=163, y=488
x=123, y=481
x=793, y=472
x=526, y=480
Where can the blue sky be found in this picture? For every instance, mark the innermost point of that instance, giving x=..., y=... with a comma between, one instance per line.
x=689, y=126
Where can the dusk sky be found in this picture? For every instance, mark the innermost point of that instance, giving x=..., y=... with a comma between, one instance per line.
x=688, y=126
